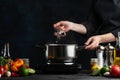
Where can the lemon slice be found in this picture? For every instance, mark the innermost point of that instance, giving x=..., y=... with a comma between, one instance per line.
x=31, y=71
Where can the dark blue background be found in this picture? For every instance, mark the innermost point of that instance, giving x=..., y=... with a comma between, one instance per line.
x=25, y=23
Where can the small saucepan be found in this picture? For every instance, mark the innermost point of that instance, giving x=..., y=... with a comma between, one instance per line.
x=61, y=52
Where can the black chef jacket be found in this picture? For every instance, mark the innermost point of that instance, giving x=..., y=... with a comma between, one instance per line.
x=104, y=18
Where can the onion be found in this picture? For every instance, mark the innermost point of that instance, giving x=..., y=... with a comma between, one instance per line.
x=8, y=73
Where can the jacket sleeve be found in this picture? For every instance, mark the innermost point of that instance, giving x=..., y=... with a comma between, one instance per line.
x=105, y=18
x=115, y=18
x=91, y=23
x=110, y=16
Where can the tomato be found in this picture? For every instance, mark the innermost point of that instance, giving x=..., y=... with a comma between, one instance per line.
x=2, y=70
x=14, y=74
x=115, y=71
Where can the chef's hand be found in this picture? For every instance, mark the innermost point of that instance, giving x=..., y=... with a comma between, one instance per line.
x=93, y=42
x=66, y=26
x=63, y=26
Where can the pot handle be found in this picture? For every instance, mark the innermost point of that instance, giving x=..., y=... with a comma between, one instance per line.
x=80, y=47
x=43, y=47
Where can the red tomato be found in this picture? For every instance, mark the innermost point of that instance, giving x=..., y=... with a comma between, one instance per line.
x=14, y=74
x=115, y=71
x=2, y=70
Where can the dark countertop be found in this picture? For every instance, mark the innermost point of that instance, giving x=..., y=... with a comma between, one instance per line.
x=82, y=75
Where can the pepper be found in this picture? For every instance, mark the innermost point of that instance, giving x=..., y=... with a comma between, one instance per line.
x=6, y=67
x=17, y=64
x=14, y=68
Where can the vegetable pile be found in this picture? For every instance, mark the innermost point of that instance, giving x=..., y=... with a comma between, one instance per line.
x=113, y=71
x=14, y=68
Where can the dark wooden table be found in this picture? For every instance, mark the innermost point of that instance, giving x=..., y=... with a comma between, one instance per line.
x=82, y=75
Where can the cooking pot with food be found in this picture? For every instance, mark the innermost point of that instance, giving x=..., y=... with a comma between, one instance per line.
x=59, y=53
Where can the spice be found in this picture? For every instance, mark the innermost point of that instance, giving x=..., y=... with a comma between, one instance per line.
x=93, y=62
x=99, y=53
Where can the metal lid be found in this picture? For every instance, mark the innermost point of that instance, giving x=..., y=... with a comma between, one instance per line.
x=101, y=47
x=94, y=59
x=109, y=46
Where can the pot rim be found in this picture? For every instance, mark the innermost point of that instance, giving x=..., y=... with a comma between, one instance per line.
x=61, y=44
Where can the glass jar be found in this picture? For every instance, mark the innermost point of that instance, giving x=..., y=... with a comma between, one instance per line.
x=117, y=51
x=93, y=62
x=26, y=62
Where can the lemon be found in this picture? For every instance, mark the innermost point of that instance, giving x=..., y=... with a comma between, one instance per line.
x=95, y=67
x=95, y=70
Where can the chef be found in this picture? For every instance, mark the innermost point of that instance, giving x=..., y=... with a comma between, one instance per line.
x=102, y=25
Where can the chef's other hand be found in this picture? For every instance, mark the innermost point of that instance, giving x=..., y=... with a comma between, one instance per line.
x=93, y=42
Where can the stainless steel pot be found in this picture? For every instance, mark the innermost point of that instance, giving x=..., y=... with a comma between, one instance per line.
x=62, y=52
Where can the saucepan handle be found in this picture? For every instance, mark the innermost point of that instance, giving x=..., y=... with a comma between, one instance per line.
x=80, y=47
x=42, y=47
